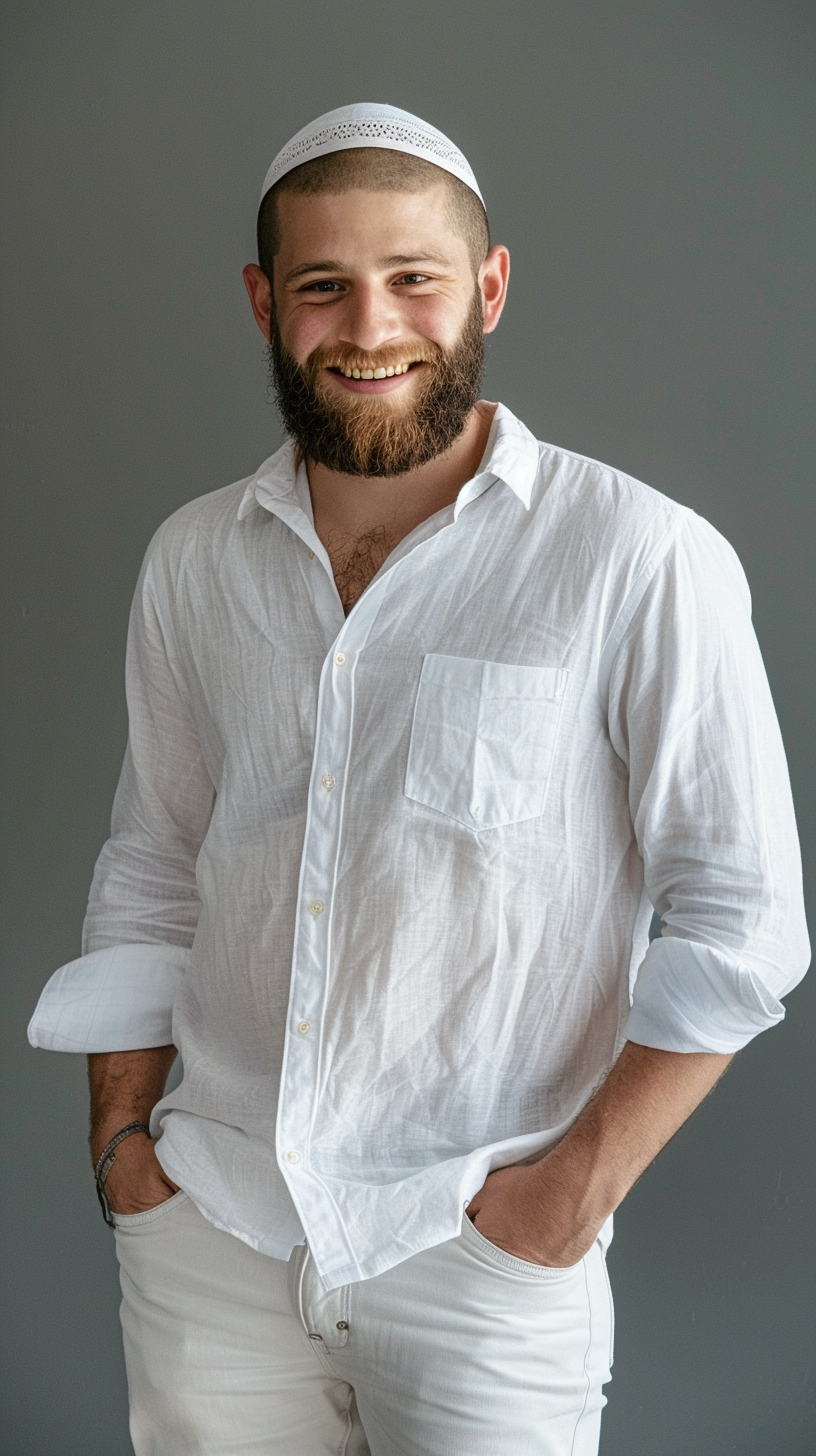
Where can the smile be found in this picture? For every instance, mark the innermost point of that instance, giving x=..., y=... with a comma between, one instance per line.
x=376, y=373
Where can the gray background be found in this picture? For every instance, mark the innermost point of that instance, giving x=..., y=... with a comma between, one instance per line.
x=650, y=167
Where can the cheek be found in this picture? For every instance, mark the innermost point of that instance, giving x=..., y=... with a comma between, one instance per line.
x=435, y=318
x=304, y=331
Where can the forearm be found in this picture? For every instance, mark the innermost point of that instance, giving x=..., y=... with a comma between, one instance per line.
x=125, y=1087
x=646, y=1097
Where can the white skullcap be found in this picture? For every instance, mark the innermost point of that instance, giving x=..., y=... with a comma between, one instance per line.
x=368, y=125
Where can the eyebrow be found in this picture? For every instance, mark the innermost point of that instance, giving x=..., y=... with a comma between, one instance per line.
x=327, y=266
x=396, y=260
x=402, y=260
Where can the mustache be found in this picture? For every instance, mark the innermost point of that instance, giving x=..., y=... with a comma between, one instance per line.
x=340, y=356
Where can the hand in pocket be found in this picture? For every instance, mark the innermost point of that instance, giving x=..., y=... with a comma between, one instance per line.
x=137, y=1181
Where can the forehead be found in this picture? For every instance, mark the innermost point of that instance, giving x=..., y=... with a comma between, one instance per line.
x=361, y=222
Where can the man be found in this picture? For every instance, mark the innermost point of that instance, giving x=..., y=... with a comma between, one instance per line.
x=425, y=717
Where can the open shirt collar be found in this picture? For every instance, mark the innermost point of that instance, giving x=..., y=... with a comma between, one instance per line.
x=511, y=456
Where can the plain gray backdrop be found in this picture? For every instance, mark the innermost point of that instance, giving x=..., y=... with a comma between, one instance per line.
x=650, y=167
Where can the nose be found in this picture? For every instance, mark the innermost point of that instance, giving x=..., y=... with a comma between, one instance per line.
x=370, y=317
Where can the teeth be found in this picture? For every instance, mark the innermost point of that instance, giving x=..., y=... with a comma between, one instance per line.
x=377, y=373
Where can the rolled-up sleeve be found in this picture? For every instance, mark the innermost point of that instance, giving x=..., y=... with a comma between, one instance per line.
x=690, y=713
x=119, y=999
x=143, y=906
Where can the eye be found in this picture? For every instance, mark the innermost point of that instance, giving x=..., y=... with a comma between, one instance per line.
x=322, y=285
x=413, y=278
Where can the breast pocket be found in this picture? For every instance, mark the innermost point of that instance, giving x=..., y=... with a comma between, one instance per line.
x=482, y=739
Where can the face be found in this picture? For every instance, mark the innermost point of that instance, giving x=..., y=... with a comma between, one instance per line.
x=376, y=327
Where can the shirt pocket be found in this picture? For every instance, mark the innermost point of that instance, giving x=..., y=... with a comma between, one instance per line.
x=482, y=739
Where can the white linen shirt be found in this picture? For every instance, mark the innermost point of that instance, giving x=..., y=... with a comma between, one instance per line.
x=386, y=880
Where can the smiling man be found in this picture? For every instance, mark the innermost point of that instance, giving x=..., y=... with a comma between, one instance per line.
x=425, y=718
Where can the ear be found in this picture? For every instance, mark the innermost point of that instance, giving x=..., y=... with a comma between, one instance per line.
x=260, y=296
x=493, y=278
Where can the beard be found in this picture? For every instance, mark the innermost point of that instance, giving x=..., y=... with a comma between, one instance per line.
x=378, y=435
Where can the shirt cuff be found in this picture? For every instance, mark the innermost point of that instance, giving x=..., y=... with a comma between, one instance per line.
x=691, y=998
x=114, y=1000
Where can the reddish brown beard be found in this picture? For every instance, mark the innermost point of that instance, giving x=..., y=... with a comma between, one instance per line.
x=373, y=435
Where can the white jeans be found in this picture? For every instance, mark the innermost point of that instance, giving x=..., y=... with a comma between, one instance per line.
x=462, y=1350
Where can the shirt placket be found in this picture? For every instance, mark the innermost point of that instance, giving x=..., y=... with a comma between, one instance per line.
x=301, y=1072
x=317, y=905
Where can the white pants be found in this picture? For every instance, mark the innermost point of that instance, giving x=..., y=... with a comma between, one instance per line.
x=462, y=1350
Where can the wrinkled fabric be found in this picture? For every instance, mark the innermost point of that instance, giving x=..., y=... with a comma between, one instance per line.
x=386, y=880
x=464, y=1350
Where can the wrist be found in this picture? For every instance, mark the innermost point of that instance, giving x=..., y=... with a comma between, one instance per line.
x=107, y=1158
x=581, y=1183
x=104, y=1132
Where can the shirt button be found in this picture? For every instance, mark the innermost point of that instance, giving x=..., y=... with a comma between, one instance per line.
x=340, y=658
x=316, y=907
x=342, y=1324
x=304, y=1027
x=292, y=1156
x=328, y=781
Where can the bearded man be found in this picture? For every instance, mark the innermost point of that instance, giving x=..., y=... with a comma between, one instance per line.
x=425, y=718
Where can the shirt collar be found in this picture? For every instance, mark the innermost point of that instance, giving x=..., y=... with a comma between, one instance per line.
x=511, y=456
x=275, y=480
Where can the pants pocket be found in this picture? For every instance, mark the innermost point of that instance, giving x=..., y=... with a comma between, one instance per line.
x=489, y=1253
x=133, y=1221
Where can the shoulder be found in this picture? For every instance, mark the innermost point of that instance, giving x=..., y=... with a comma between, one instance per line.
x=198, y=523
x=591, y=490
x=192, y=546
x=622, y=518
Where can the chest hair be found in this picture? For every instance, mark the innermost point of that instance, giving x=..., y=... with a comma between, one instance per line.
x=356, y=559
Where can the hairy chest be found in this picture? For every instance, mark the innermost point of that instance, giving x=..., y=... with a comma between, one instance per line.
x=355, y=560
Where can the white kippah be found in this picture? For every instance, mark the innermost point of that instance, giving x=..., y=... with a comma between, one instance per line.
x=370, y=125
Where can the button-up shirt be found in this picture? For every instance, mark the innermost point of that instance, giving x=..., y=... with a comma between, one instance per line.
x=386, y=879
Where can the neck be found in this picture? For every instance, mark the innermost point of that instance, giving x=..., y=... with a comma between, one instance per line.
x=348, y=506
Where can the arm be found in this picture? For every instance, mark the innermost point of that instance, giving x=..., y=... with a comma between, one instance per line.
x=550, y=1212
x=690, y=715
x=143, y=907
x=125, y=1087
x=116, y=1001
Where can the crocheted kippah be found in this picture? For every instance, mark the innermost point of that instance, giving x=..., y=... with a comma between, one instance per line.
x=369, y=125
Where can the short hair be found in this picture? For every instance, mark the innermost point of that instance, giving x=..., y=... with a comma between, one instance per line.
x=379, y=170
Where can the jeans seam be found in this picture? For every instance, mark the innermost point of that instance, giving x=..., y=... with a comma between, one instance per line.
x=587, y=1380
x=611, y=1315
x=343, y=1447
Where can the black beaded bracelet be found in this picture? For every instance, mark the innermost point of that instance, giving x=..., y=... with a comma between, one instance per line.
x=106, y=1160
